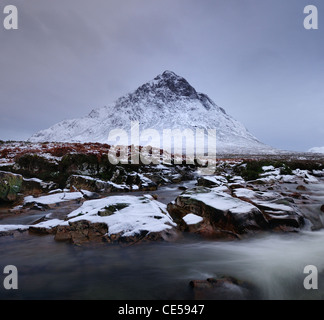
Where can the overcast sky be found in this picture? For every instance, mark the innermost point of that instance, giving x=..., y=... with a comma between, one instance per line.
x=252, y=57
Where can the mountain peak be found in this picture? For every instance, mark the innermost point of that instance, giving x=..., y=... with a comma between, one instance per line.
x=176, y=84
x=168, y=73
x=166, y=102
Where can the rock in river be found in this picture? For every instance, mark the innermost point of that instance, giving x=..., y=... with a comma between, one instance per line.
x=223, y=288
x=122, y=219
x=222, y=214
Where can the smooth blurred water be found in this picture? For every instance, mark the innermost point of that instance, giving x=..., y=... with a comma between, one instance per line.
x=51, y=270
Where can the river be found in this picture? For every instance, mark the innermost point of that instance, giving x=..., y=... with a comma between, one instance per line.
x=273, y=263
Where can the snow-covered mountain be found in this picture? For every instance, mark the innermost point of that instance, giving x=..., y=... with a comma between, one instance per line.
x=166, y=102
x=316, y=150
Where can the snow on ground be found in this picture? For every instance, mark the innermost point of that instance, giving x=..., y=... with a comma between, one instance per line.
x=274, y=174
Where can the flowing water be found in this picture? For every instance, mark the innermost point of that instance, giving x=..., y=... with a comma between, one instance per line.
x=273, y=263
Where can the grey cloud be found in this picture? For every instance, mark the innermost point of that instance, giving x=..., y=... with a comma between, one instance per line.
x=252, y=57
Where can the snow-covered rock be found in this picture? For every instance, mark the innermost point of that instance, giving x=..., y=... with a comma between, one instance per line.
x=211, y=181
x=115, y=218
x=308, y=178
x=51, y=200
x=277, y=209
x=222, y=213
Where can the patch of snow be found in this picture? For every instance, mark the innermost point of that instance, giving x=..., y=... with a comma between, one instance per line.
x=54, y=198
x=49, y=224
x=12, y=227
x=191, y=218
x=268, y=168
x=274, y=206
x=55, y=191
x=244, y=193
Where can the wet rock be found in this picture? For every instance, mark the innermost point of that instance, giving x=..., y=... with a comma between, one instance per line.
x=322, y=208
x=203, y=228
x=10, y=186
x=170, y=235
x=301, y=188
x=296, y=195
x=63, y=233
x=235, y=186
x=211, y=181
x=88, y=195
x=127, y=182
x=280, y=220
x=144, y=183
x=177, y=213
x=41, y=230
x=81, y=231
x=224, y=288
x=94, y=185
x=34, y=186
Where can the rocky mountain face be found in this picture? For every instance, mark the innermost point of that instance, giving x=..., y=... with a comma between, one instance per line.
x=166, y=102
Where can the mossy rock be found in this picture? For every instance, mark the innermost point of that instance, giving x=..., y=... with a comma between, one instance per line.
x=10, y=186
x=109, y=210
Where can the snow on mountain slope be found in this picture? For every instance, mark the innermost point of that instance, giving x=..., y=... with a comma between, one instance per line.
x=316, y=150
x=167, y=102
